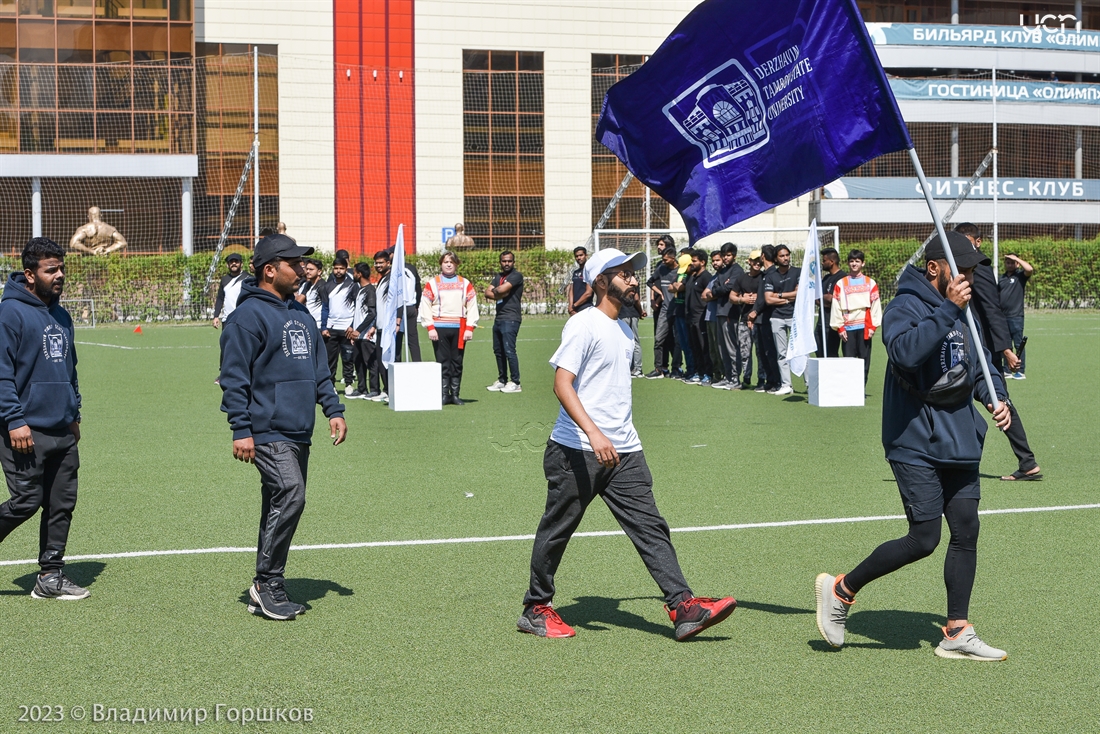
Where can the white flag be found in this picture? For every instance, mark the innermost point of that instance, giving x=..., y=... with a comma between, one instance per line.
x=393, y=300
x=803, y=343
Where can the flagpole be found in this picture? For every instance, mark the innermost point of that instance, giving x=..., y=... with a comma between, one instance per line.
x=954, y=273
x=821, y=293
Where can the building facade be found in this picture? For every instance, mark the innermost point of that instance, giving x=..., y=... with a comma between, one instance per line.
x=427, y=113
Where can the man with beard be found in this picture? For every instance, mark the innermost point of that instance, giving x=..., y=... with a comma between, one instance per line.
x=780, y=289
x=40, y=407
x=594, y=450
x=696, y=310
x=229, y=289
x=506, y=289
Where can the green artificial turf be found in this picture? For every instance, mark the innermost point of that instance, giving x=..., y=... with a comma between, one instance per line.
x=422, y=637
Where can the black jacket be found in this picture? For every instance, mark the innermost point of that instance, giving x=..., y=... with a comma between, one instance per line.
x=925, y=335
x=986, y=301
x=727, y=280
x=274, y=369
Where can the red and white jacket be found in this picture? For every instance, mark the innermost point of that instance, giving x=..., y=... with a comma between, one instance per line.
x=453, y=303
x=856, y=304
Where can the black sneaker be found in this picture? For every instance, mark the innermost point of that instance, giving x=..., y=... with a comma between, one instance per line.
x=269, y=600
x=655, y=375
x=56, y=585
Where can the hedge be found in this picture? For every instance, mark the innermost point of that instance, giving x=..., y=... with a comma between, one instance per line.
x=171, y=287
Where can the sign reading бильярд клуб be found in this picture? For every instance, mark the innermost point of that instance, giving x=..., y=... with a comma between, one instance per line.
x=1052, y=36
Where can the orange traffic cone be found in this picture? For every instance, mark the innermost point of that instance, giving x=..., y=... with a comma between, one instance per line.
x=138, y=330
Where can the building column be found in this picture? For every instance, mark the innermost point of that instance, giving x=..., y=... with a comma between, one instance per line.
x=955, y=11
x=36, y=203
x=186, y=224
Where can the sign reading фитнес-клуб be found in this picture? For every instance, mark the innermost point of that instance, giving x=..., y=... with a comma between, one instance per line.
x=1052, y=35
x=1051, y=189
x=965, y=90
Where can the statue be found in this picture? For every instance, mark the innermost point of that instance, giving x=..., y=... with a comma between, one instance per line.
x=460, y=240
x=97, y=237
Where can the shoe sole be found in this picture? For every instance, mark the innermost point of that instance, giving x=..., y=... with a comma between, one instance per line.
x=958, y=655
x=62, y=597
x=709, y=622
x=819, y=595
x=524, y=625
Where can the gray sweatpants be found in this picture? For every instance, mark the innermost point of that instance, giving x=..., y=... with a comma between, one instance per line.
x=574, y=479
x=283, y=466
x=781, y=331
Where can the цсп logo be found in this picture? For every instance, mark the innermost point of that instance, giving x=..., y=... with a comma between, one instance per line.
x=722, y=114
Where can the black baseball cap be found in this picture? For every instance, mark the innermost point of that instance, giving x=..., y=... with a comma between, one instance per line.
x=966, y=255
x=234, y=256
x=276, y=246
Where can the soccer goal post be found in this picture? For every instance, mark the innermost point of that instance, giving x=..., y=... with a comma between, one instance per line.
x=747, y=240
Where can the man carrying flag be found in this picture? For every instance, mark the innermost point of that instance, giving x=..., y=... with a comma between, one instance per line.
x=748, y=105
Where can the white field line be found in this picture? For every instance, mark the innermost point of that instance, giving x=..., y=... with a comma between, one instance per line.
x=119, y=346
x=499, y=538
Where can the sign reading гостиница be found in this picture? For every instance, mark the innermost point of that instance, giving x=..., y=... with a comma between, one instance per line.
x=746, y=106
x=1007, y=91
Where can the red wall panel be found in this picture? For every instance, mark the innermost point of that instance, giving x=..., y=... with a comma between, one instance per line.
x=375, y=150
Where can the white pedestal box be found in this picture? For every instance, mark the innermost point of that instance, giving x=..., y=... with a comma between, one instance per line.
x=417, y=386
x=835, y=382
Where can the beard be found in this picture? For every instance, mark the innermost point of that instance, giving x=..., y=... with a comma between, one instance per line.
x=46, y=292
x=626, y=296
x=943, y=279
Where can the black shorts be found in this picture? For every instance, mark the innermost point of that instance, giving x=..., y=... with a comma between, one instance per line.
x=925, y=491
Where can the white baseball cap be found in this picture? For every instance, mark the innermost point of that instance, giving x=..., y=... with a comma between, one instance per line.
x=610, y=258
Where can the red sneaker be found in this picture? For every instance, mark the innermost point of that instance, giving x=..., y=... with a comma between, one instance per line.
x=694, y=615
x=542, y=620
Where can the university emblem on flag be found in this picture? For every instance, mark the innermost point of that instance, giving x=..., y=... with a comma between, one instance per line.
x=722, y=114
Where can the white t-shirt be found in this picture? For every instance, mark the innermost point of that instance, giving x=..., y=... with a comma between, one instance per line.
x=598, y=350
x=232, y=293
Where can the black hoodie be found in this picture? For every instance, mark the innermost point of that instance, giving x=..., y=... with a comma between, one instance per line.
x=924, y=337
x=273, y=373
x=38, y=386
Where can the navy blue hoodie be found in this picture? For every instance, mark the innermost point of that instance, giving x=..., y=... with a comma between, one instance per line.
x=273, y=374
x=38, y=386
x=924, y=337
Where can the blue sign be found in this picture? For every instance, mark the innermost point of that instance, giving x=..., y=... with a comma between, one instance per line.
x=1050, y=189
x=748, y=105
x=448, y=233
x=1007, y=91
x=1051, y=32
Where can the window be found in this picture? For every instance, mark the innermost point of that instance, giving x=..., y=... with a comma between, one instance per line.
x=607, y=171
x=502, y=104
x=224, y=101
x=97, y=76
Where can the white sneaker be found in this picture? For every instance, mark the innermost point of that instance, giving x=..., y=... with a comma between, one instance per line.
x=496, y=386
x=511, y=387
x=380, y=398
x=784, y=391
x=349, y=390
x=832, y=611
x=967, y=645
